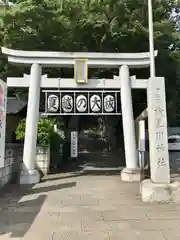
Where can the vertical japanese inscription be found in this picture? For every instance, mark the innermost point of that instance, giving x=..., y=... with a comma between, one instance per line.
x=74, y=144
x=157, y=124
x=160, y=126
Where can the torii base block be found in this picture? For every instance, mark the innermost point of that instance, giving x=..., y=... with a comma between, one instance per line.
x=160, y=193
x=30, y=177
x=131, y=175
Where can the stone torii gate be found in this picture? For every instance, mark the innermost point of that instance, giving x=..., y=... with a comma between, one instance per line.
x=123, y=61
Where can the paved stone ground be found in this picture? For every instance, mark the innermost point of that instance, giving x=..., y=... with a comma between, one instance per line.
x=68, y=206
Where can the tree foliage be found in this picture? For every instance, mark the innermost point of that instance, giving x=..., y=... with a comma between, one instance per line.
x=44, y=133
x=98, y=26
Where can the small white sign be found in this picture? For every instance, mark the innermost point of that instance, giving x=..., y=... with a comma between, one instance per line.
x=81, y=70
x=3, y=102
x=74, y=144
x=142, y=136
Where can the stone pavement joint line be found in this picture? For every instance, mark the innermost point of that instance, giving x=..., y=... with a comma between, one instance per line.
x=65, y=206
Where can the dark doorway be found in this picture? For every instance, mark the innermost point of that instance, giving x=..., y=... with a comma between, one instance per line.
x=101, y=142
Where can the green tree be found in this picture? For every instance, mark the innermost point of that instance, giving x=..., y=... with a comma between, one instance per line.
x=45, y=130
x=95, y=25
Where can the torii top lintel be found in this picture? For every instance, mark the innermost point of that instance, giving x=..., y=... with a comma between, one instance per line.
x=66, y=59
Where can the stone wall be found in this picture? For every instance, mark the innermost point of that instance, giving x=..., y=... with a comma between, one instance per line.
x=43, y=159
x=174, y=160
x=11, y=170
x=173, y=130
x=174, y=156
x=13, y=162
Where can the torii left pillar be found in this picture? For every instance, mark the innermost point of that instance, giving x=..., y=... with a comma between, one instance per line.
x=29, y=173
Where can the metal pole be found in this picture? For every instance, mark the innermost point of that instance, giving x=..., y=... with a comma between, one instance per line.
x=151, y=39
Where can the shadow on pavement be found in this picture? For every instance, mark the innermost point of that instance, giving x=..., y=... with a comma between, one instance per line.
x=90, y=163
x=18, y=214
x=85, y=172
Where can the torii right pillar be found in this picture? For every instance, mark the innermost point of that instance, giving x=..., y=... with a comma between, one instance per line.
x=159, y=187
x=131, y=172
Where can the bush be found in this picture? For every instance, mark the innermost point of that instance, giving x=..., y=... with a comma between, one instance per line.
x=45, y=130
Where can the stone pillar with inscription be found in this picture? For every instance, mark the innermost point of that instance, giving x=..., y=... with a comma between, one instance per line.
x=158, y=188
x=132, y=172
x=157, y=123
